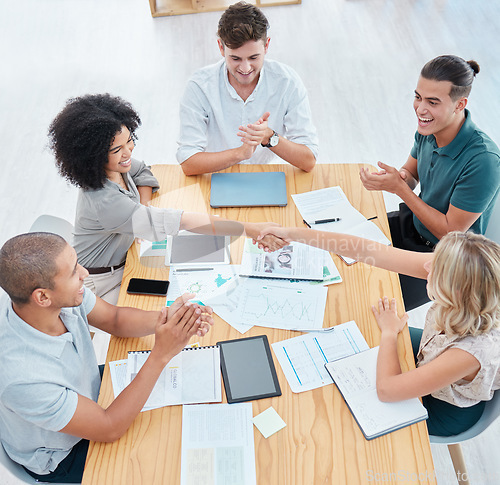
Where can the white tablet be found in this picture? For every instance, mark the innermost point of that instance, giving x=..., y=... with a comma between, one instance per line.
x=188, y=249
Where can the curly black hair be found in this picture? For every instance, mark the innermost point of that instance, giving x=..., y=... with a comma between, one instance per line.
x=81, y=134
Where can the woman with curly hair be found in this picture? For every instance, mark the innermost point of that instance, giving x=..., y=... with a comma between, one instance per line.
x=458, y=352
x=93, y=139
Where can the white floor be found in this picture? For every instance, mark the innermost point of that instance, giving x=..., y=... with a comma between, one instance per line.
x=359, y=59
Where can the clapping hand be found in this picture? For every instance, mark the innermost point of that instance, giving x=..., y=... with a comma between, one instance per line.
x=204, y=312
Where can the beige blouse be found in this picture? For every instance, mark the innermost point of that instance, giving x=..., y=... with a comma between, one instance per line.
x=485, y=348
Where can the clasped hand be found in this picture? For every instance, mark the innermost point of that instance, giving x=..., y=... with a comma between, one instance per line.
x=253, y=135
x=263, y=234
x=388, y=178
x=178, y=323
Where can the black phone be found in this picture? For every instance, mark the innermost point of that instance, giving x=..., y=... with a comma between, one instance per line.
x=141, y=286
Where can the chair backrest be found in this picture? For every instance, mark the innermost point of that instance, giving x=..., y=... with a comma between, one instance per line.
x=493, y=229
x=490, y=414
x=57, y=225
x=16, y=470
x=13, y=468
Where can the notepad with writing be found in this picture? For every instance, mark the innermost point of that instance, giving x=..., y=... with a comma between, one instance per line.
x=355, y=377
x=193, y=376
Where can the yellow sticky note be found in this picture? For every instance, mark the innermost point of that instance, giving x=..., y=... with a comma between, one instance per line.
x=268, y=422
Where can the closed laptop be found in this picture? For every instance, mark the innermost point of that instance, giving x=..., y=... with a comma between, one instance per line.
x=248, y=189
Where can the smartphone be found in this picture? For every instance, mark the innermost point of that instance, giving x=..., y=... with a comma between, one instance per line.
x=141, y=286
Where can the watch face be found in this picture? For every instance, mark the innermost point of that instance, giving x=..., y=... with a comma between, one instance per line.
x=275, y=138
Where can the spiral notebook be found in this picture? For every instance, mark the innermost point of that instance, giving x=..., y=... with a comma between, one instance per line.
x=193, y=376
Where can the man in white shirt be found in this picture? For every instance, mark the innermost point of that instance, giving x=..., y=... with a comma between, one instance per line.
x=244, y=108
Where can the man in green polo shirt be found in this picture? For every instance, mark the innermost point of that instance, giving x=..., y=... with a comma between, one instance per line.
x=457, y=165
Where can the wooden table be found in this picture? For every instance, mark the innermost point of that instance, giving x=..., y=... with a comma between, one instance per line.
x=321, y=443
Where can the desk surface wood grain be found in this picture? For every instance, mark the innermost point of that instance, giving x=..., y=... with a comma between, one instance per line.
x=321, y=443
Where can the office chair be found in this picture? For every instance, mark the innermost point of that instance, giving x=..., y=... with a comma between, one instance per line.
x=493, y=229
x=16, y=470
x=490, y=414
x=57, y=225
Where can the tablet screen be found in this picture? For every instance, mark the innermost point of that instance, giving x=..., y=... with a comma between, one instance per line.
x=248, y=369
x=197, y=249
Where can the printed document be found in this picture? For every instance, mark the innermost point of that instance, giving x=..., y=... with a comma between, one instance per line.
x=274, y=304
x=332, y=203
x=192, y=376
x=303, y=358
x=294, y=261
x=217, y=445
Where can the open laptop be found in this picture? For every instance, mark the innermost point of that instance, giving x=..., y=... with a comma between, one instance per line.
x=248, y=189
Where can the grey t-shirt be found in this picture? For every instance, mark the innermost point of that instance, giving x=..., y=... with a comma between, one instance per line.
x=40, y=381
x=108, y=219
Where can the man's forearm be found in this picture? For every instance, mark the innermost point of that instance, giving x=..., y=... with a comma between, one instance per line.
x=295, y=154
x=132, y=322
x=209, y=162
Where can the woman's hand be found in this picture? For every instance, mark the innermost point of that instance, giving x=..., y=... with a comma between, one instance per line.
x=387, y=316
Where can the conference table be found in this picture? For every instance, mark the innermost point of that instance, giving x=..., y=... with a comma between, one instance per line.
x=321, y=443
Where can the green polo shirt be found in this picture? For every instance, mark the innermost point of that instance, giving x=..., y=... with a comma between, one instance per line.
x=464, y=173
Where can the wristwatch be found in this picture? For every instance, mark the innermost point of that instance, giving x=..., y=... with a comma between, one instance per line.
x=273, y=141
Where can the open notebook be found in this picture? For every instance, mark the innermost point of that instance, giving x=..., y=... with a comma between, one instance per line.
x=355, y=377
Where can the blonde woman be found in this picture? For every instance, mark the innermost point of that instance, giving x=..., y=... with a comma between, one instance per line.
x=458, y=357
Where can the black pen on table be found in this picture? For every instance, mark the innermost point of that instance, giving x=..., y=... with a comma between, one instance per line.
x=325, y=221
x=322, y=221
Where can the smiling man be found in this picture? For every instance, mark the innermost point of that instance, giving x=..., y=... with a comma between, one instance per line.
x=457, y=165
x=245, y=108
x=50, y=379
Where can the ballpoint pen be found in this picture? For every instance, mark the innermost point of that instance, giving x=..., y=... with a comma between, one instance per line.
x=324, y=221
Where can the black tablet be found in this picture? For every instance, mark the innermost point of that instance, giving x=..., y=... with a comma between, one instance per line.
x=248, y=369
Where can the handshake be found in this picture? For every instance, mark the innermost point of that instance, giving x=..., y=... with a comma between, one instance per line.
x=268, y=235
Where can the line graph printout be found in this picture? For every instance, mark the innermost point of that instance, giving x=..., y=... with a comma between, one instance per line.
x=289, y=307
x=303, y=358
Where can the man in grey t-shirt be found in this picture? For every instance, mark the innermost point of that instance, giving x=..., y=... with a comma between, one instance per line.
x=50, y=379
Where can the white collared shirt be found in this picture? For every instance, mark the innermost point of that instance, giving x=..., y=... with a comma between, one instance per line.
x=211, y=111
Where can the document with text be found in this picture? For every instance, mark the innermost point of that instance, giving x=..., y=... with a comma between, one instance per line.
x=303, y=358
x=218, y=445
x=192, y=376
x=331, y=203
x=293, y=261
